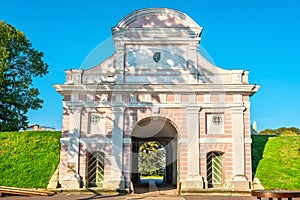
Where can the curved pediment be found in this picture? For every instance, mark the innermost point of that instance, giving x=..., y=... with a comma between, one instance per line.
x=157, y=46
x=158, y=18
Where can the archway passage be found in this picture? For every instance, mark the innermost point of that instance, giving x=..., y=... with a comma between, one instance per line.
x=159, y=130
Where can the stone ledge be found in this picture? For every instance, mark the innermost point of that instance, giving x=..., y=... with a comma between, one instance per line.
x=216, y=192
x=94, y=190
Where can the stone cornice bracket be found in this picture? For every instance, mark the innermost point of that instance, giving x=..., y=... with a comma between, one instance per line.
x=255, y=88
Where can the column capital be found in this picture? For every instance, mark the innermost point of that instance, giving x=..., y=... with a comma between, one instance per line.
x=75, y=109
x=118, y=109
x=237, y=110
x=193, y=109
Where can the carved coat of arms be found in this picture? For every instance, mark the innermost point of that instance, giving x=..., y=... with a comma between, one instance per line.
x=156, y=56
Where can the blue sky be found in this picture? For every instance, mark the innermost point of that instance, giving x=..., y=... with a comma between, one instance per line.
x=257, y=35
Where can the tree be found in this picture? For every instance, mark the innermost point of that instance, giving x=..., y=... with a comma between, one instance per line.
x=289, y=133
x=281, y=131
x=268, y=132
x=19, y=64
x=151, y=159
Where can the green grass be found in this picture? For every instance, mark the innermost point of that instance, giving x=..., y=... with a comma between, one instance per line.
x=28, y=159
x=258, y=146
x=152, y=177
x=280, y=166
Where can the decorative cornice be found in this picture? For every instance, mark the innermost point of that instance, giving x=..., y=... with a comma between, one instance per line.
x=215, y=140
x=151, y=105
x=95, y=140
x=67, y=89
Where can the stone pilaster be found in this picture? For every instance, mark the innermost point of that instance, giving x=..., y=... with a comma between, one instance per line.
x=194, y=181
x=239, y=179
x=72, y=178
x=193, y=56
x=117, y=179
x=119, y=62
x=77, y=76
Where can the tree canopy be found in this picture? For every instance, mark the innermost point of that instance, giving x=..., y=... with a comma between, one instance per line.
x=151, y=159
x=19, y=64
x=281, y=131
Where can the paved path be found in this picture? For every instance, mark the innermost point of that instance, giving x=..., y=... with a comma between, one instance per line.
x=127, y=197
x=145, y=191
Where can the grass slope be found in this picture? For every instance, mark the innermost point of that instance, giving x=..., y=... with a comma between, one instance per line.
x=280, y=166
x=258, y=145
x=28, y=159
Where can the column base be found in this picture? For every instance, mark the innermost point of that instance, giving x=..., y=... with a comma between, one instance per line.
x=115, y=183
x=192, y=183
x=239, y=182
x=70, y=181
x=53, y=183
x=256, y=184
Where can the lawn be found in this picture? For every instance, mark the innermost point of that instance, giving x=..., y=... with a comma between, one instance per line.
x=157, y=179
x=258, y=145
x=280, y=166
x=28, y=159
x=152, y=177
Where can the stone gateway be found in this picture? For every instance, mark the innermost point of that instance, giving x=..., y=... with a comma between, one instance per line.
x=156, y=87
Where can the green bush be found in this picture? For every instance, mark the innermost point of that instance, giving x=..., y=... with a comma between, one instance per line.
x=280, y=166
x=258, y=145
x=28, y=159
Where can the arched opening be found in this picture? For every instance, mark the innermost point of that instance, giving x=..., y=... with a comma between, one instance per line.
x=152, y=162
x=162, y=131
x=214, y=168
x=95, y=169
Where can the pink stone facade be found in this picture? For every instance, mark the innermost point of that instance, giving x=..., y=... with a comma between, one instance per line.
x=114, y=107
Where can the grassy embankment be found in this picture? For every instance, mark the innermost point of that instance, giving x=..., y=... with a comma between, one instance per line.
x=28, y=159
x=279, y=165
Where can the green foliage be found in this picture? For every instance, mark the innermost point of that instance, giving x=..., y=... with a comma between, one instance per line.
x=289, y=133
x=258, y=146
x=268, y=132
x=151, y=159
x=19, y=63
x=153, y=177
x=28, y=159
x=280, y=166
x=281, y=131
